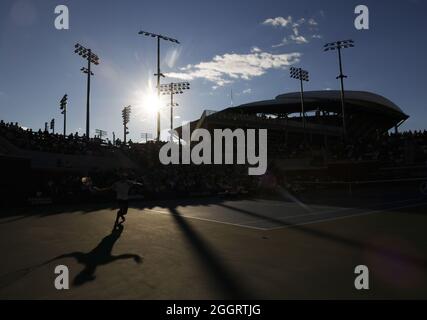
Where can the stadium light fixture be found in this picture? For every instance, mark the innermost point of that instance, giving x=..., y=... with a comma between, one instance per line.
x=158, y=74
x=86, y=71
x=91, y=58
x=339, y=45
x=172, y=89
x=100, y=133
x=52, y=125
x=63, y=108
x=146, y=136
x=301, y=75
x=126, y=118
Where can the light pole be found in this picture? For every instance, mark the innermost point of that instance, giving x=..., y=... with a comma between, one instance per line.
x=338, y=45
x=301, y=75
x=86, y=53
x=100, y=133
x=63, y=107
x=171, y=89
x=158, y=74
x=146, y=136
x=126, y=119
x=52, y=126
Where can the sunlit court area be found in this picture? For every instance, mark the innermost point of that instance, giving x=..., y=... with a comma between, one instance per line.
x=212, y=158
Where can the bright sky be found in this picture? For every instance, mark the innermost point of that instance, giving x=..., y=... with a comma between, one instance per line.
x=243, y=45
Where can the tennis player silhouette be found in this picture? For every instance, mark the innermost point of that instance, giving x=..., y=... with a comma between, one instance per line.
x=122, y=188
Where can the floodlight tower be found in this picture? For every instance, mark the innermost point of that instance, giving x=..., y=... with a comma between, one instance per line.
x=126, y=118
x=158, y=74
x=171, y=89
x=52, y=125
x=86, y=53
x=338, y=45
x=301, y=75
x=100, y=133
x=63, y=107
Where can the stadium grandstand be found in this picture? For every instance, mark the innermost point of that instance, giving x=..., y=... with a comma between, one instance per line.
x=367, y=114
x=317, y=150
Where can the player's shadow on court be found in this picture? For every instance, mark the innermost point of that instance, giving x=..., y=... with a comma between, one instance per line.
x=99, y=256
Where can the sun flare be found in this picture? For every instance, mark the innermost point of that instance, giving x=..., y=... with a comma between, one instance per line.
x=146, y=101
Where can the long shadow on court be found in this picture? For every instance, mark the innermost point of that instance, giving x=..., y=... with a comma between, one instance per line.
x=43, y=211
x=15, y=214
x=226, y=280
x=362, y=198
x=333, y=237
x=99, y=256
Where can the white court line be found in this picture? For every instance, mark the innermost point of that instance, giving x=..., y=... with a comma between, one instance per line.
x=351, y=215
x=344, y=209
x=209, y=220
x=326, y=211
x=297, y=224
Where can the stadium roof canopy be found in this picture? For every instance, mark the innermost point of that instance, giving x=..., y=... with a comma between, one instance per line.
x=356, y=102
x=366, y=113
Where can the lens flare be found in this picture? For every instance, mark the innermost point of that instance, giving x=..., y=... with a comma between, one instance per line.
x=146, y=101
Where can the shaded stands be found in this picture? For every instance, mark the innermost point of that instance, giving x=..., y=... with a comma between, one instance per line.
x=55, y=152
x=14, y=173
x=36, y=165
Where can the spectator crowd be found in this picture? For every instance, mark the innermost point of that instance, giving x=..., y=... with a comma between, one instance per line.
x=50, y=142
x=392, y=149
x=161, y=181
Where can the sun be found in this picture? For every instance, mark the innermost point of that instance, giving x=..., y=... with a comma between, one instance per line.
x=151, y=102
x=147, y=102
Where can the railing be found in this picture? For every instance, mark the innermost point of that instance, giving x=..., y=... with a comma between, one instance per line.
x=275, y=121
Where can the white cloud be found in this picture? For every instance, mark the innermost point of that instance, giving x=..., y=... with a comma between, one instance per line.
x=312, y=22
x=299, y=39
x=247, y=91
x=224, y=69
x=295, y=29
x=278, y=21
x=299, y=23
x=255, y=49
x=172, y=57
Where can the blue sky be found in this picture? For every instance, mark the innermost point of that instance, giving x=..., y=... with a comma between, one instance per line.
x=246, y=46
